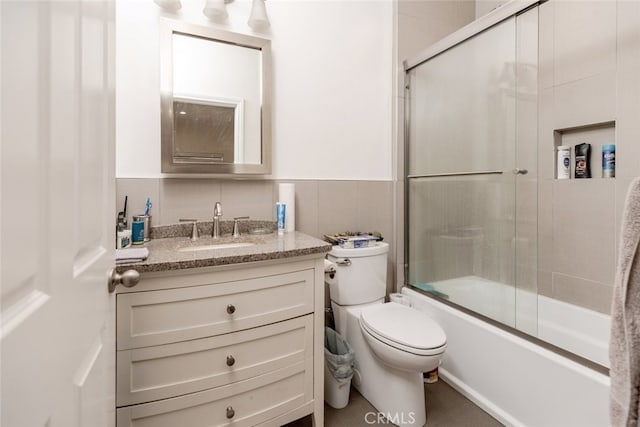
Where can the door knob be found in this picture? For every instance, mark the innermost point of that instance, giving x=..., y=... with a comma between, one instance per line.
x=128, y=279
x=518, y=171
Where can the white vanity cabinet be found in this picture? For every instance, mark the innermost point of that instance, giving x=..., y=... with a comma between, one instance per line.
x=237, y=345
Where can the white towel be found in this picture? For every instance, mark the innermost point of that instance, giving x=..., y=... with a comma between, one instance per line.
x=624, y=345
x=129, y=255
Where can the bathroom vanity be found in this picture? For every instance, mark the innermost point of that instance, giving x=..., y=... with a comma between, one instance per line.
x=227, y=335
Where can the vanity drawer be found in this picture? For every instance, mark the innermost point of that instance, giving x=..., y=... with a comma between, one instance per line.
x=165, y=316
x=252, y=401
x=160, y=372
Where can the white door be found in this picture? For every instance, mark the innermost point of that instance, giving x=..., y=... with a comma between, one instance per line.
x=57, y=224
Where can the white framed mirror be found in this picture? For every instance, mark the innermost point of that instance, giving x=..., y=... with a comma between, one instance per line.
x=215, y=101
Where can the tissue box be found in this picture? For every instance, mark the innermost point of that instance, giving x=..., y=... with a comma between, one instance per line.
x=357, y=242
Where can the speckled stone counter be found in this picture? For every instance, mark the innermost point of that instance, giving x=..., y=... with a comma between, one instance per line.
x=169, y=253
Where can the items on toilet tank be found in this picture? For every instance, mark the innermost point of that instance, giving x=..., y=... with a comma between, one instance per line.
x=287, y=195
x=564, y=162
x=583, y=161
x=609, y=161
x=354, y=240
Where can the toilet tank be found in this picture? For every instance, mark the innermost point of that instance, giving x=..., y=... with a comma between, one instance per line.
x=361, y=274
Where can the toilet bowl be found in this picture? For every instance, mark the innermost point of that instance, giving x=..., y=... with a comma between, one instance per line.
x=393, y=343
x=402, y=337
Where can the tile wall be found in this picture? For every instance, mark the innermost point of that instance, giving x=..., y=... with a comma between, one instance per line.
x=322, y=206
x=589, y=91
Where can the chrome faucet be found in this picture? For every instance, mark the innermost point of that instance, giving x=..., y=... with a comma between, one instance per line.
x=217, y=213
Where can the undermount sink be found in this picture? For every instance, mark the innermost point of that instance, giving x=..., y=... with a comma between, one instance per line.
x=215, y=246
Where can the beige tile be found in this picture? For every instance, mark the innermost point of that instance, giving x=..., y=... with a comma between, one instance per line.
x=545, y=285
x=188, y=198
x=375, y=207
x=585, y=102
x=422, y=23
x=627, y=132
x=585, y=293
x=337, y=206
x=584, y=229
x=399, y=279
x=546, y=145
x=545, y=225
x=137, y=190
x=545, y=40
x=399, y=229
x=584, y=39
x=248, y=198
x=628, y=107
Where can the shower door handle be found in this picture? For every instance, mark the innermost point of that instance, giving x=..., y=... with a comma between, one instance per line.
x=518, y=171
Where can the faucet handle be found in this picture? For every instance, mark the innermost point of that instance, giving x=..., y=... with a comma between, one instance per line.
x=194, y=230
x=236, y=228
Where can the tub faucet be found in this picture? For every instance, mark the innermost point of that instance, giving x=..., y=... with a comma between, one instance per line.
x=217, y=213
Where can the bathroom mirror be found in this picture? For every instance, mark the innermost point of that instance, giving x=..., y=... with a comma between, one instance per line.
x=215, y=100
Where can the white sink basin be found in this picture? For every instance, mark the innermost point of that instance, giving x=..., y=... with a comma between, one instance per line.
x=218, y=246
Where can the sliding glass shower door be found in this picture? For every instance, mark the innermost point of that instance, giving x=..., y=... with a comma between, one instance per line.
x=466, y=108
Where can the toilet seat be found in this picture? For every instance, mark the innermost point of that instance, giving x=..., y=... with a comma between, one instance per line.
x=403, y=328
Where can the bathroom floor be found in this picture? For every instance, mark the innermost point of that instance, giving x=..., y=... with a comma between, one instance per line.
x=445, y=408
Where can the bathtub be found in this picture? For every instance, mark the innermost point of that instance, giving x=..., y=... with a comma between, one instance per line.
x=576, y=329
x=516, y=381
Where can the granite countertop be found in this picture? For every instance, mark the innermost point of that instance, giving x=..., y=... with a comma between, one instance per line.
x=165, y=253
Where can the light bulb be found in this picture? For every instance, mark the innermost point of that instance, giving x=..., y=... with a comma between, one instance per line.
x=215, y=10
x=258, y=18
x=169, y=5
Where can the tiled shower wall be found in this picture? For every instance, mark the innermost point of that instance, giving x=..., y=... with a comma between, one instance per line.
x=589, y=92
x=322, y=206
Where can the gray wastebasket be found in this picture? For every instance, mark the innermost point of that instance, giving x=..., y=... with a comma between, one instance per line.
x=338, y=371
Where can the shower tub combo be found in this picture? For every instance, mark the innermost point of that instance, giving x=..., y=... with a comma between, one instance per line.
x=471, y=229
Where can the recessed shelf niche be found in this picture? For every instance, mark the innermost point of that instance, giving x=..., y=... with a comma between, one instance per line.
x=597, y=134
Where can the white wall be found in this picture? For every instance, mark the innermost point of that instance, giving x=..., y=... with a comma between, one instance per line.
x=332, y=81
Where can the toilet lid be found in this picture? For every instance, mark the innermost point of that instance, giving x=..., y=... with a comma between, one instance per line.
x=403, y=327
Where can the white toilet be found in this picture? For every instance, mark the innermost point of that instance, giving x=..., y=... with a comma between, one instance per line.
x=394, y=344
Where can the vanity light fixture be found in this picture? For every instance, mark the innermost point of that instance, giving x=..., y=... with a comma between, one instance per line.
x=216, y=10
x=169, y=5
x=258, y=19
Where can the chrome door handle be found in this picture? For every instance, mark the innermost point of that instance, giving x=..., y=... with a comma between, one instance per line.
x=128, y=279
x=518, y=171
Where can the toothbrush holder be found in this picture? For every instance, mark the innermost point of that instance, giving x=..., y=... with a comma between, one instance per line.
x=146, y=219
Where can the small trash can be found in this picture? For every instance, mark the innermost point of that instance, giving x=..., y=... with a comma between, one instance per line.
x=338, y=370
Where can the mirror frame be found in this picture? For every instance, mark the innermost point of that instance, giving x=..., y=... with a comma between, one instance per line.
x=169, y=27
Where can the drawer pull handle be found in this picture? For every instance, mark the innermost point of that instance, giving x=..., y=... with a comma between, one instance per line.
x=230, y=360
x=230, y=412
x=231, y=309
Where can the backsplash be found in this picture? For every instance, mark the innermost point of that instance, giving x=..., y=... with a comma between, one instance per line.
x=322, y=206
